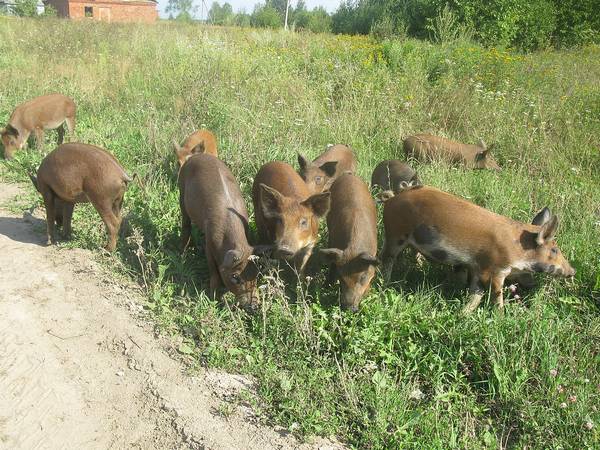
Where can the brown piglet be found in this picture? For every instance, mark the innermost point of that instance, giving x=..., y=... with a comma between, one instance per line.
x=210, y=198
x=451, y=230
x=81, y=173
x=392, y=174
x=322, y=172
x=426, y=147
x=352, y=226
x=201, y=141
x=36, y=115
x=287, y=216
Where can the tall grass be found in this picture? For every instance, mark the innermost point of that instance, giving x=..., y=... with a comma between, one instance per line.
x=407, y=371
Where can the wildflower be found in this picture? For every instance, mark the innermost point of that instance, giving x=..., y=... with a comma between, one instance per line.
x=563, y=405
x=553, y=372
x=560, y=389
x=572, y=398
x=589, y=425
x=513, y=288
x=416, y=394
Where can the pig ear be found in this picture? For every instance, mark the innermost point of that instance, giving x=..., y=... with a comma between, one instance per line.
x=365, y=258
x=270, y=200
x=232, y=258
x=414, y=181
x=333, y=255
x=302, y=162
x=199, y=148
x=329, y=168
x=11, y=130
x=482, y=155
x=542, y=217
x=319, y=203
x=548, y=231
x=385, y=196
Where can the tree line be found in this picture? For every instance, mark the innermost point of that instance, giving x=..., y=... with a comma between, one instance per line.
x=521, y=24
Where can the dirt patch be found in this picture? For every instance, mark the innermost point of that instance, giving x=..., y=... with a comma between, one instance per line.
x=80, y=368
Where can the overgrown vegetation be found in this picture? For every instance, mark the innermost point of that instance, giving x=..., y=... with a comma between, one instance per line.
x=407, y=371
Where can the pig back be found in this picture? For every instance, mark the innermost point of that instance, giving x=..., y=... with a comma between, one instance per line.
x=74, y=168
x=42, y=110
x=352, y=219
x=281, y=177
x=210, y=192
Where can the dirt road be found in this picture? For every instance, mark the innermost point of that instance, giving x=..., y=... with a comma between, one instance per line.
x=80, y=367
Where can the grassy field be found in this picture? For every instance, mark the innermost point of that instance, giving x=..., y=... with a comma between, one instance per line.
x=408, y=371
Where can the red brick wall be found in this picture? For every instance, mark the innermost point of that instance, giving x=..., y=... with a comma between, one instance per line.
x=115, y=11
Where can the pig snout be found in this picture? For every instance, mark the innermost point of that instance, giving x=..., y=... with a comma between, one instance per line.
x=284, y=251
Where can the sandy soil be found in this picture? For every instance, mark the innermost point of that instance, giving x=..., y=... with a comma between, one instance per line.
x=82, y=368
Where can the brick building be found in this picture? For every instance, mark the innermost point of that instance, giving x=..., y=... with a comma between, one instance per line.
x=107, y=10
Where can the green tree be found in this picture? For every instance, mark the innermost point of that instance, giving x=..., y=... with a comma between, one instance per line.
x=182, y=9
x=319, y=21
x=221, y=15
x=25, y=8
x=265, y=16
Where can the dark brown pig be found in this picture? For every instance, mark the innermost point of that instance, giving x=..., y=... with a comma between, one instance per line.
x=210, y=198
x=389, y=175
x=78, y=173
x=201, y=141
x=352, y=225
x=426, y=147
x=41, y=113
x=454, y=231
x=286, y=215
x=322, y=172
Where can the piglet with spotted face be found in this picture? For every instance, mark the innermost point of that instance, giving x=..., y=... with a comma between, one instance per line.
x=352, y=226
x=287, y=216
x=426, y=147
x=201, y=141
x=322, y=172
x=210, y=197
x=454, y=231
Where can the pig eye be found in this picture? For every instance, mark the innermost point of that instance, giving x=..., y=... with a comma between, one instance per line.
x=235, y=279
x=304, y=223
x=318, y=180
x=554, y=251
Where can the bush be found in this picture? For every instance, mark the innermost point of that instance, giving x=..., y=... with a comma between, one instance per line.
x=26, y=8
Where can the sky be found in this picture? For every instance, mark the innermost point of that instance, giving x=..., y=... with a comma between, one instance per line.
x=248, y=5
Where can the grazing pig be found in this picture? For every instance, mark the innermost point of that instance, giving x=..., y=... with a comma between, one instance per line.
x=352, y=225
x=210, y=197
x=78, y=173
x=322, y=172
x=286, y=215
x=201, y=141
x=426, y=147
x=454, y=231
x=389, y=175
x=36, y=115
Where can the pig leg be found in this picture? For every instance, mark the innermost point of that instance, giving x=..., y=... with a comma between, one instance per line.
x=215, y=278
x=61, y=134
x=39, y=137
x=497, y=284
x=476, y=294
x=389, y=253
x=70, y=121
x=111, y=221
x=67, y=215
x=186, y=227
x=49, y=200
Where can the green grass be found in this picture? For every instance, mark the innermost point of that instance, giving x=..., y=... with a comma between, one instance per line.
x=407, y=371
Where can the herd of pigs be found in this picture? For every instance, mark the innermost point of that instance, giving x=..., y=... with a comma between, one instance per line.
x=485, y=247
